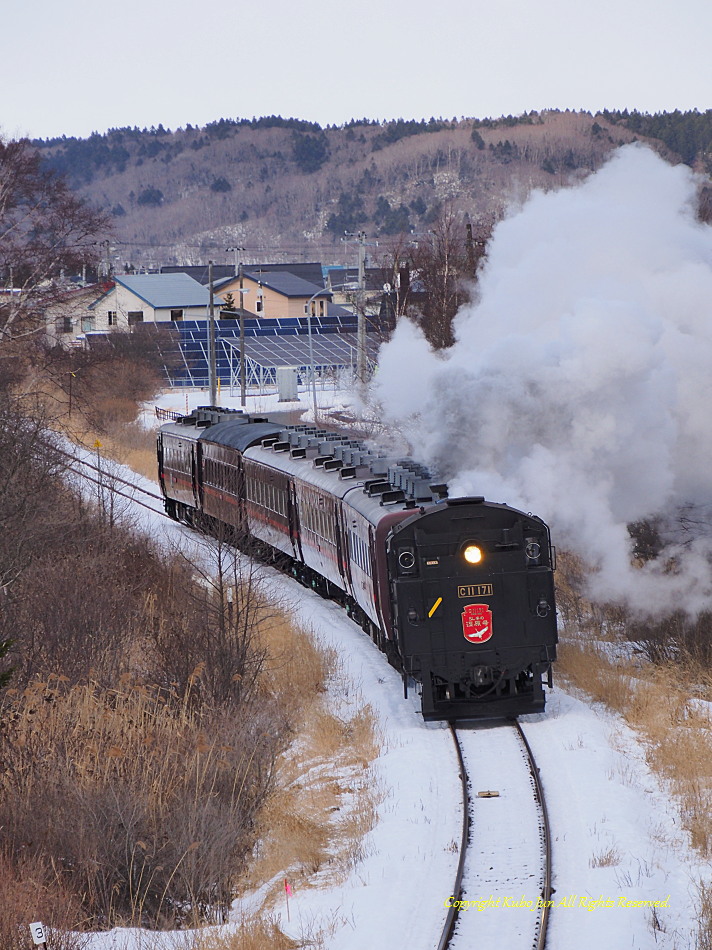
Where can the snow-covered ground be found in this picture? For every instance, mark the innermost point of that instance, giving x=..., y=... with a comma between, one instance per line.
x=180, y=400
x=616, y=831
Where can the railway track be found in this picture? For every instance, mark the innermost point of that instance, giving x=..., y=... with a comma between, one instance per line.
x=505, y=857
x=502, y=890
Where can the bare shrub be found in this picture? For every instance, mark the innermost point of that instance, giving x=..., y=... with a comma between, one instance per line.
x=211, y=625
x=579, y=613
x=30, y=891
x=325, y=798
x=139, y=791
x=76, y=606
x=29, y=478
x=98, y=389
x=146, y=805
x=675, y=638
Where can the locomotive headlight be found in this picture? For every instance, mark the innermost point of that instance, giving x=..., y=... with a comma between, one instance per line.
x=472, y=553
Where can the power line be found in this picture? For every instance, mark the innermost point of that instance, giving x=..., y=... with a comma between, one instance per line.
x=106, y=477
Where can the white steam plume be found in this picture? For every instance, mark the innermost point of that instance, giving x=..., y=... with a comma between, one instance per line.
x=580, y=384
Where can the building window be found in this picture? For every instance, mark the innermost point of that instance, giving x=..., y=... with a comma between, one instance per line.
x=135, y=316
x=176, y=314
x=87, y=324
x=64, y=325
x=112, y=318
x=258, y=305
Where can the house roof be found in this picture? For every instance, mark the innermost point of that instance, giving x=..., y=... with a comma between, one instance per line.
x=200, y=272
x=165, y=290
x=313, y=271
x=288, y=284
x=73, y=294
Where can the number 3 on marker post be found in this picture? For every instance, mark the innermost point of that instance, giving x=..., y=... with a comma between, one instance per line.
x=38, y=933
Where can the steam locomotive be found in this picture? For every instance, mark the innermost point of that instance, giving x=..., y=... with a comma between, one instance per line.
x=457, y=592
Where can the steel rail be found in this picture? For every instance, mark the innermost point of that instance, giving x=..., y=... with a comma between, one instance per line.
x=453, y=912
x=546, y=839
x=545, y=830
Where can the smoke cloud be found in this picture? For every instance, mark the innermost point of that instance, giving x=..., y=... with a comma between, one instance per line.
x=580, y=383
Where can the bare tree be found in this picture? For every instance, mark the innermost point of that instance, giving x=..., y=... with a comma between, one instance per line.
x=432, y=274
x=45, y=230
x=29, y=470
x=208, y=644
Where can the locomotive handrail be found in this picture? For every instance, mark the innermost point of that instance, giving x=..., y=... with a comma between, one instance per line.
x=167, y=415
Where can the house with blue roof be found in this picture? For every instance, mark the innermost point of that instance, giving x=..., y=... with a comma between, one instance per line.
x=149, y=298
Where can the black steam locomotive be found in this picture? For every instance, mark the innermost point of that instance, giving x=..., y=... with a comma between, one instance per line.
x=458, y=592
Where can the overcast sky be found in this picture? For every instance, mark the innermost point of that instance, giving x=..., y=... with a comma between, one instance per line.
x=79, y=66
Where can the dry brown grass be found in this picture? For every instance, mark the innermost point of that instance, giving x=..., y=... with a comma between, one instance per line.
x=677, y=738
x=115, y=783
x=704, y=930
x=325, y=800
x=659, y=702
x=585, y=666
x=677, y=732
x=127, y=443
x=311, y=828
x=251, y=934
x=605, y=859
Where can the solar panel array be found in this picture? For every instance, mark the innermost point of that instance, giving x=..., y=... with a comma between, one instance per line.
x=268, y=345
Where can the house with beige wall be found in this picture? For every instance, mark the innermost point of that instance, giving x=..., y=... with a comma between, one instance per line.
x=68, y=316
x=276, y=295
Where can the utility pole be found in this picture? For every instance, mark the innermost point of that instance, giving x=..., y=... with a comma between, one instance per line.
x=212, y=367
x=361, y=310
x=241, y=291
x=243, y=381
x=361, y=360
x=235, y=251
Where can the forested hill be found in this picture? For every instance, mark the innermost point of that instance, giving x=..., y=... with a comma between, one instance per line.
x=284, y=187
x=687, y=134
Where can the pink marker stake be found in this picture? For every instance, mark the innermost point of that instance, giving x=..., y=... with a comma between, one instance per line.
x=288, y=894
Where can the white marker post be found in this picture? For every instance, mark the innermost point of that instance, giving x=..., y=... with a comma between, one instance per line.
x=38, y=934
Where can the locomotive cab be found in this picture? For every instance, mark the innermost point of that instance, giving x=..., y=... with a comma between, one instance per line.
x=472, y=597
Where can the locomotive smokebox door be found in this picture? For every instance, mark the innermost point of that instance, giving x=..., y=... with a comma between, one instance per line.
x=472, y=598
